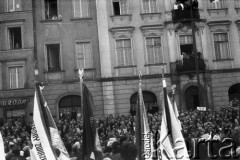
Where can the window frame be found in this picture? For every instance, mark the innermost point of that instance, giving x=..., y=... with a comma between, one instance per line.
x=120, y=10
x=13, y=25
x=14, y=65
x=81, y=10
x=91, y=51
x=14, y=6
x=44, y=11
x=222, y=4
x=161, y=49
x=46, y=56
x=149, y=7
x=131, y=49
x=228, y=56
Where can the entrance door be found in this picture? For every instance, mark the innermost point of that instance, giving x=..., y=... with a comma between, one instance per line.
x=191, y=98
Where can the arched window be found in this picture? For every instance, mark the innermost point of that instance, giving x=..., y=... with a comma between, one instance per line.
x=234, y=94
x=191, y=97
x=150, y=101
x=69, y=106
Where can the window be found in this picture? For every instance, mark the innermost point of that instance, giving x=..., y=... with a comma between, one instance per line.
x=220, y=4
x=16, y=77
x=15, y=37
x=186, y=44
x=237, y=3
x=154, y=50
x=81, y=8
x=149, y=6
x=120, y=7
x=14, y=5
x=84, y=55
x=221, y=45
x=51, y=9
x=124, y=52
x=53, y=57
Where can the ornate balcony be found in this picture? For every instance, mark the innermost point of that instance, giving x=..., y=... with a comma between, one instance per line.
x=188, y=64
x=185, y=15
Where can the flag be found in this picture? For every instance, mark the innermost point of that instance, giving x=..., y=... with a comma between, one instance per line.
x=91, y=148
x=176, y=113
x=2, y=151
x=144, y=136
x=214, y=1
x=32, y=155
x=172, y=144
x=46, y=140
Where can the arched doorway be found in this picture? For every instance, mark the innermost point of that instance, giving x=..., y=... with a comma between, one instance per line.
x=234, y=92
x=191, y=97
x=150, y=101
x=69, y=107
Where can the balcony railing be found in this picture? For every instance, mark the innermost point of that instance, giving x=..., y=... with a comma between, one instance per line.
x=181, y=15
x=189, y=64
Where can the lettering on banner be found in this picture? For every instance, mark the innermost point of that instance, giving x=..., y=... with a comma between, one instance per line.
x=147, y=145
x=37, y=144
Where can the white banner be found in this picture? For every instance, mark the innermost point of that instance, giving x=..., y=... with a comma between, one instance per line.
x=2, y=151
x=41, y=145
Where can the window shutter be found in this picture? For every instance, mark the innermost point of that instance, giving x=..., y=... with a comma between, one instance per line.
x=85, y=8
x=12, y=73
x=88, y=61
x=79, y=54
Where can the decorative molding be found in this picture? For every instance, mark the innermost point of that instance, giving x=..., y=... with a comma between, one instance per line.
x=12, y=21
x=122, y=32
x=238, y=23
x=216, y=26
x=152, y=30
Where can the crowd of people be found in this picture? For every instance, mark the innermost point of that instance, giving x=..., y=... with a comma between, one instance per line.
x=113, y=130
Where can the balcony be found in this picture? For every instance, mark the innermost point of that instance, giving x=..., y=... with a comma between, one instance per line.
x=188, y=64
x=185, y=15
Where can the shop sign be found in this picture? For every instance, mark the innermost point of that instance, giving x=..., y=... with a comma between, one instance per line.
x=13, y=102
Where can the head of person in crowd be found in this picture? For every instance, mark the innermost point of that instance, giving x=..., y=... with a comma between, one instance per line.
x=128, y=151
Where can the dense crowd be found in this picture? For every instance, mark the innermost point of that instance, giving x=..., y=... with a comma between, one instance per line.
x=114, y=129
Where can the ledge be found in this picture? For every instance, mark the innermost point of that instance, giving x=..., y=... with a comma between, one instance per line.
x=219, y=60
x=50, y=20
x=217, y=10
x=86, y=69
x=12, y=21
x=81, y=19
x=119, y=67
x=156, y=64
x=53, y=71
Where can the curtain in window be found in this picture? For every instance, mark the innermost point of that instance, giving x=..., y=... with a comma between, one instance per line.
x=10, y=5
x=84, y=55
x=154, y=53
x=218, y=4
x=186, y=39
x=237, y=3
x=16, y=77
x=124, y=52
x=221, y=45
x=81, y=8
x=149, y=6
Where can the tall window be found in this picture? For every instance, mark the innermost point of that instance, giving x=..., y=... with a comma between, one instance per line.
x=120, y=7
x=221, y=45
x=124, y=52
x=84, y=55
x=81, y=8
x=15, y=37
x=53, y=57
x=218, y=4
x=186, y=44
x=154, y=50
x=51, y=9
x=149, y=6
x=16, y=77
x=14, y=5
x=237, y=3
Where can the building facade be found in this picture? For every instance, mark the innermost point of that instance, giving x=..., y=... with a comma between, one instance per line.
x=113, y=41
x=16, y=59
